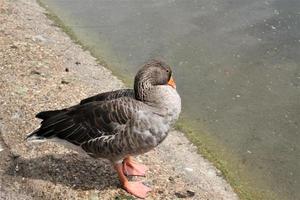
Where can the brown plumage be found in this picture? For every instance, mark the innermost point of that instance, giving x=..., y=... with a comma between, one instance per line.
x=115, y=125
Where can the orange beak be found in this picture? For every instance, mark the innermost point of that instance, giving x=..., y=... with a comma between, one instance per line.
x=171, y=82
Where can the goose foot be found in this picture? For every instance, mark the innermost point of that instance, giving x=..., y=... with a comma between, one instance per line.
x=132, y=168
x=137, y=189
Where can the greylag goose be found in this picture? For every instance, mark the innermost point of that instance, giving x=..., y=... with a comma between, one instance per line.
x=119, y=124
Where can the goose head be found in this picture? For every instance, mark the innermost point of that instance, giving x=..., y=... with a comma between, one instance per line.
x=154, y=73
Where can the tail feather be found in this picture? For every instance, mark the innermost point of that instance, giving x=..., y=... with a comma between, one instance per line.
x=30, y=135
x=51, y=121
x=58, y=124
x=48, y=114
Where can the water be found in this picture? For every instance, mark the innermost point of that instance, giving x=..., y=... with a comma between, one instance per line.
x=237, y=68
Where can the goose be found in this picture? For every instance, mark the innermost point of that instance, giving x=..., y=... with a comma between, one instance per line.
x=121, y=124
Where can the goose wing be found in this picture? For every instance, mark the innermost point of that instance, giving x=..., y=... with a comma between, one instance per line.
x=109, y=95
x=82, y=123
x=106, y=96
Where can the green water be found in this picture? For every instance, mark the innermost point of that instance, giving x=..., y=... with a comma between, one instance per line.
x=237, y=68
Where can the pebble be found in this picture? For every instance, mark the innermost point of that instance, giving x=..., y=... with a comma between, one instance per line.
x=211, y=172
x=188, y=169
x=65, y=81
x=13, y=47
x=171, y=179
x=39, y=38
x=93, y=196
x=185, y=194
x=35, y=72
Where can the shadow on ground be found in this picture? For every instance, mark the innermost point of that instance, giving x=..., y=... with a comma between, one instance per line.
x=70, y=170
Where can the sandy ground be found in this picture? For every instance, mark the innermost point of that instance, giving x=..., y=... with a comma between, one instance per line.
x=41, y=68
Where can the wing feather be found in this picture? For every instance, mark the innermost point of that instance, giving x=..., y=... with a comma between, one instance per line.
x=109, y=96
x=82, y=123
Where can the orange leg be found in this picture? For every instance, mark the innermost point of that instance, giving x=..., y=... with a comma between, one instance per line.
x=138, y=189
x=132, y=168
